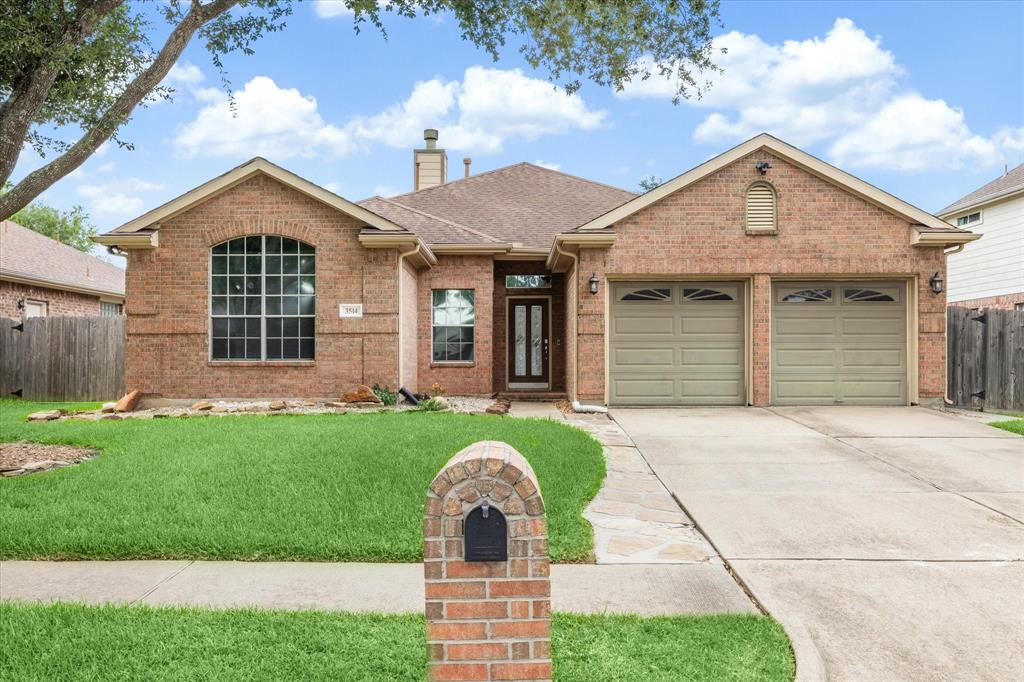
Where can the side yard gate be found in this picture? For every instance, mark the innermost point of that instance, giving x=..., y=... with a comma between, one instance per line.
x=985, y=358
x=62, y=358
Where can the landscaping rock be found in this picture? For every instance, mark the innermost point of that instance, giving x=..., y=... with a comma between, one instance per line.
x=203, y=405
x=128, y=402
x=500, y=407
x=362, y=394
x=337, y=404
x=108, y=407
x=443, y=403
x=112, y=416
x=219, y=409
x=278, y=405
x=45, y=416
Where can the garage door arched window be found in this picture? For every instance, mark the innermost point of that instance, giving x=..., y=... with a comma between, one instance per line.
x=262, y=299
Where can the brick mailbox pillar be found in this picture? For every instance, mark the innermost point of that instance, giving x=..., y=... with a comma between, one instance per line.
x=485, y=561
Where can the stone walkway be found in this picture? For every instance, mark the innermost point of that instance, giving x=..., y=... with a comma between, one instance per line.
x=635, y=519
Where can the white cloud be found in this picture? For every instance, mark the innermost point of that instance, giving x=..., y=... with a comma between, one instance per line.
x=271, y=121
x=331, y=9
x=479, y=114
x=185, y=73
x=843, y=90
x=118, y=197
x=547, y=164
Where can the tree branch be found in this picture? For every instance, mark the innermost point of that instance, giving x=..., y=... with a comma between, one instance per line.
x=38, y=180
x=29, y=95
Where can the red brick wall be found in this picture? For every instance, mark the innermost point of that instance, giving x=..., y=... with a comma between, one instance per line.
x=1004, y=301
x=557, y=342
x=823, y=230
x=168, y=299
x=59, y=303
x=458, y=272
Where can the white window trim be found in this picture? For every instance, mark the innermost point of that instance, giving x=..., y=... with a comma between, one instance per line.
x=464, y=363
x=979, y=221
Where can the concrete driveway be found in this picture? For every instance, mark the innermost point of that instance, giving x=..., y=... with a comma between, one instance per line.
x=888, y=541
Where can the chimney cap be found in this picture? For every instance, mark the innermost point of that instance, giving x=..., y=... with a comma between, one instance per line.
x=430, y=134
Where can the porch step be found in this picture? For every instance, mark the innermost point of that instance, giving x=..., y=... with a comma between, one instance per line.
x=538, y=396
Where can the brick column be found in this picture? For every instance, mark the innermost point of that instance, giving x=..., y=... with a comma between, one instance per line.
x=761, y=305
x=487, y=620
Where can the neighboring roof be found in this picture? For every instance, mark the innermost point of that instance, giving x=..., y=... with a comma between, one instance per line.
x=922, y=220
x=1007, y=184
x=522, y=204
x=32, y=258
x=151, y=220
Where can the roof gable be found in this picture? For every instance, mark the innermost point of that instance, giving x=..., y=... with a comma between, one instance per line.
x=151, y=220
x=797, y=157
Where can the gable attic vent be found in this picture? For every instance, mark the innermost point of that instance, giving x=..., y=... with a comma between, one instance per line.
x=760, y=211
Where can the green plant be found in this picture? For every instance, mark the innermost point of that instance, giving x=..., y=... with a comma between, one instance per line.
x=386, y=396
x=432, y=405
x=436, y=389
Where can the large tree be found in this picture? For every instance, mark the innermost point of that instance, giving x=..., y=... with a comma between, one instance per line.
x=73, y=71
x=71, y=227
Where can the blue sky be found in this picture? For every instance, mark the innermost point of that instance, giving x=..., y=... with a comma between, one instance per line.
x=923, y=99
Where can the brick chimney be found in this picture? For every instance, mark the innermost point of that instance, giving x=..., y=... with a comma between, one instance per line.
x=430, y=165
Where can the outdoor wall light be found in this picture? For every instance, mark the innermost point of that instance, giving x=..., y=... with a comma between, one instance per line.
x=763, y=167
x=594, y=281
x=936, y=283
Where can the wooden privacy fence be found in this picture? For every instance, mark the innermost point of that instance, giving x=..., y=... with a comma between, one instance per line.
x=62, y=358
x=985, y=358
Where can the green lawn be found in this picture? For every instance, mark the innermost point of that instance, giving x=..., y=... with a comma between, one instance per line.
x=1011, y=425
x=76, y=642
x=318, y=488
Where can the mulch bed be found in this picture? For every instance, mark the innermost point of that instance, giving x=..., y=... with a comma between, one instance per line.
x=28, y=458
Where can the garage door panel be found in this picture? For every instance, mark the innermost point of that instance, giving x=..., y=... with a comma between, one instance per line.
x=862, y=361
x=684, y=349
x=643, y=325
x=813, y=359
x=640, y=358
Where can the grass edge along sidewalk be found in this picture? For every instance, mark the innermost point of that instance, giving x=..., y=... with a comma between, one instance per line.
x=78, y=642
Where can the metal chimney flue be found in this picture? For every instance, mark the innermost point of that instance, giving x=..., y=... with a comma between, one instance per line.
x=467, y=161
x=430, y=135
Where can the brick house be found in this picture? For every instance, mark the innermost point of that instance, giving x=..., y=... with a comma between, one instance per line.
x=763, y=276
x=40, y=277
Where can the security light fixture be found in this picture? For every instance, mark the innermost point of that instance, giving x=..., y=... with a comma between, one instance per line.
x=762, y=167
x=936, y=283
x=594, y=281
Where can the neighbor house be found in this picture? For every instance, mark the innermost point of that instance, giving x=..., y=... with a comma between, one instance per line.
x=990, y=274
x=763, y=276
x=40, y=276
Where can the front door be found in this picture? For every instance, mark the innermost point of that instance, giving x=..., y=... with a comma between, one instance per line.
x=529, y=333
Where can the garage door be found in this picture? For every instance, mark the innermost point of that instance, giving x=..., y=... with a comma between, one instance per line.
x=839, y=343
x=676, y=343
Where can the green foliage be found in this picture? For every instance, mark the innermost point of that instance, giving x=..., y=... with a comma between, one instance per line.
x=233, y=487
x=386, y=396
x=68, y=227
x=431, y=404
x=1012, y=425
x=650, y=182
x=78, y=642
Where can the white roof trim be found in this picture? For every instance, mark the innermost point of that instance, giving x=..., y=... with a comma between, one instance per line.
x=242, y=173
x=791, y=154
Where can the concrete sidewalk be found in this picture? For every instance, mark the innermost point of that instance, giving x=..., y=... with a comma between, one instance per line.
x=392, y=588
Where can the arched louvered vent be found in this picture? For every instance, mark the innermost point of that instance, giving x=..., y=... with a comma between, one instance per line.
x=760, y=209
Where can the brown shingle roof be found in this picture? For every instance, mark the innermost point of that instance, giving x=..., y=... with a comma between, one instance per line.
x=31, y=255
x=1009, y=182
x=522, y=203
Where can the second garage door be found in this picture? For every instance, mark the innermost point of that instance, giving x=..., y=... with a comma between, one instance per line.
x=839, y=343
x=676, y=343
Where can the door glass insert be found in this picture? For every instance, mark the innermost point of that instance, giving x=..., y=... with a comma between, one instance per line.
x=706, y=295
x=536, y=326
x=873, y=295
x=519, y=333
x=808, y=296
x=647, y=295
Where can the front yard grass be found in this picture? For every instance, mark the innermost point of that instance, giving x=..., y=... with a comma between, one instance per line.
x=306, y=488
x=1011, y=425
x=78, y=642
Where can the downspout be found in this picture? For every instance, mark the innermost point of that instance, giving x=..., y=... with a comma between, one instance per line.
x=402, y=255
x=576, y=353
x=945, y=394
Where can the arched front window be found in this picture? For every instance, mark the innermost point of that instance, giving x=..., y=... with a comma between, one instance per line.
x=262, y=299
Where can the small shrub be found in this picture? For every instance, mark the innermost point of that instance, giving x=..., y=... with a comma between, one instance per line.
x=386, y=396
x=431, y=405
x=436, y=389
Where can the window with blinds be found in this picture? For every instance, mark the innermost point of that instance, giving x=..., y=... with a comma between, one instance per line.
x=760, y=211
